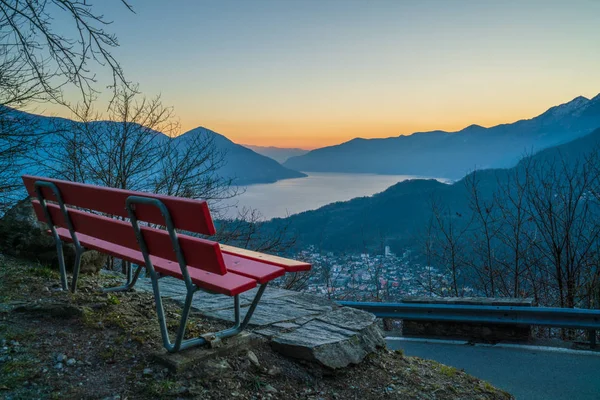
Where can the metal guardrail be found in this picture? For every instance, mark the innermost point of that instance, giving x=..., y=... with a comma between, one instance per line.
x=573, y=318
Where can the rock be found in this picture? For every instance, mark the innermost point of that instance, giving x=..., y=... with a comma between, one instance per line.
x=71, y=362
x=336, y=339
x=219, y=365
x=23, y=236
x=61, y=357
x=147, y=371
x=58, y=366
x=270, y=389
x=181, y=390
x=274, y=371
x=216, y=369
x=253, y=359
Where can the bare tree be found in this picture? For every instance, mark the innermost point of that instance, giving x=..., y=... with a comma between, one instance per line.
x=37, y=64
x=125, y=151
x=520, y=275
x=564, y=213
x=247, y=230
x=450, y=253
x=427, y=240
x=483, y=237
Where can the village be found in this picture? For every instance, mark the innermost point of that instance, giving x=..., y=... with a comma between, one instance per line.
x=367, y=277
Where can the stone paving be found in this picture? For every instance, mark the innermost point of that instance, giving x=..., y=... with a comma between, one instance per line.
x=297, y=324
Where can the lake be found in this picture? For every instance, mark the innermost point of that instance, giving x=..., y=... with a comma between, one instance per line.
x=291, y=196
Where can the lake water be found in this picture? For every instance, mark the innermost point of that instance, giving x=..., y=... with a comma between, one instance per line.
x=291, y=196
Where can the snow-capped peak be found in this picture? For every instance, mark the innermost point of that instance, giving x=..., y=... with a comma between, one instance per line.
x=569, y=107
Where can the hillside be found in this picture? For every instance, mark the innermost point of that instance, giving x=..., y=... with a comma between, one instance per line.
x=104, y=346
x=400, y=213
x=241, y=163
x=453, y=154
x=279, y=154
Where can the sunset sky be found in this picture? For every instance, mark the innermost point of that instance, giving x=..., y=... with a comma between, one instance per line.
x=311, y=73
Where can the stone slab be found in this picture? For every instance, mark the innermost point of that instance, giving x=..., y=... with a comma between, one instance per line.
x=328, y=344
x=348, y=318
x=314, y=334
x=270, y=311
x=298, y=325
x=194, y=357
x=175, y=289
x=286, y=325
x=169, y=287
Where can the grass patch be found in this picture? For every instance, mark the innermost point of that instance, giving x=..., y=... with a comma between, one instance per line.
x=448, y=371
x=14, y=372
x=9, y=333
x=112, y=299
x=43, y=272
x=159, y=389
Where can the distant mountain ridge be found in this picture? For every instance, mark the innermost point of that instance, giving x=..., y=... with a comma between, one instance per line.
x=401, y=212
x=242, y=164
x=453, y=154
x=279, y=154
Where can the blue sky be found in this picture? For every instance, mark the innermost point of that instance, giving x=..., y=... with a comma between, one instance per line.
x=318, y=72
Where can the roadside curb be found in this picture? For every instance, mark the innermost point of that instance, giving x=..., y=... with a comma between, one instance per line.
x=497, y=345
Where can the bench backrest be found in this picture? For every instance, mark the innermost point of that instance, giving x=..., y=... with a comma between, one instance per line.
x=186, y=214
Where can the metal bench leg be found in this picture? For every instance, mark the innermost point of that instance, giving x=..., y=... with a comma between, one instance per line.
x=76, y=266
x=180, y=343
x=62, y=270
x=132, y=278
x=38, y=185
x=253, y=305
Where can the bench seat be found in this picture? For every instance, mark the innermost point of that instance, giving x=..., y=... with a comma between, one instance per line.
x=229, y=284
x=288, y=264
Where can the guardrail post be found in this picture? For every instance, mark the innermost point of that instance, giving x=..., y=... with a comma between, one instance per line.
x=592, y=337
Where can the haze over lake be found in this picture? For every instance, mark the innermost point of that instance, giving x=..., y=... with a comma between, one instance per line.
x=292, y=196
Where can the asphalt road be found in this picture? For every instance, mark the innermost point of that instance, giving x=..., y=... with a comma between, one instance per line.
x=528, y=374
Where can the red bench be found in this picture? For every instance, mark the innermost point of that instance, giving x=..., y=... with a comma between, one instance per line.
x=81, y=214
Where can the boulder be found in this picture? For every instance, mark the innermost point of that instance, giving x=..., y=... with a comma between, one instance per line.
x=335, y=339
x=23, y=236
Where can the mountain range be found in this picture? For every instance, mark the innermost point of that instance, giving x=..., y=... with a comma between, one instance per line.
x=245, y=166
x=400, y=214
x=279, y=154
x=453, y=154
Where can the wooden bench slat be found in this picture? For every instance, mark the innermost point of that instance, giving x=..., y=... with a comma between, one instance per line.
x=288, y=264
x=199, y=253
x=229, y=284
x=187, y=214
x=262, y=272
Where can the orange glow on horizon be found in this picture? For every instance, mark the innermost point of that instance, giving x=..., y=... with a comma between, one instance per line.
x=297, y=136
x=311, y=128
